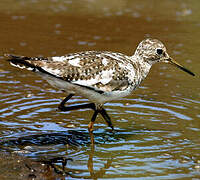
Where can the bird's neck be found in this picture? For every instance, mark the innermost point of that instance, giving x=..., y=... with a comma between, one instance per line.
x=143, y=68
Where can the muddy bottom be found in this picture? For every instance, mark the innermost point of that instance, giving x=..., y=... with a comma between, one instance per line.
x=16, y=167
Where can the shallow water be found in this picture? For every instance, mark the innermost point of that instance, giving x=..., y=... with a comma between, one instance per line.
x=157, y=127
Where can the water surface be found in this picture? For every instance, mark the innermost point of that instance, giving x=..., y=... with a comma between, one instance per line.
x=157, y=127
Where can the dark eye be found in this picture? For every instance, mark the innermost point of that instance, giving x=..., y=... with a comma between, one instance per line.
x=159, y=51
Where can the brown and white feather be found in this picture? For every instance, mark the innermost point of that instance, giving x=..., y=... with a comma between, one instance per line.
x=98, y=76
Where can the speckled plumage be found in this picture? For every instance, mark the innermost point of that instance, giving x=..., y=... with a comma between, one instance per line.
x=104, y=73
x=98, y=76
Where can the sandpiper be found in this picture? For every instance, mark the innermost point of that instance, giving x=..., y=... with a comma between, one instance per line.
x=99, y=76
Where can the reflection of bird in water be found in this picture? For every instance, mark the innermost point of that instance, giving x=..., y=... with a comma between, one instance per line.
x=98, y=76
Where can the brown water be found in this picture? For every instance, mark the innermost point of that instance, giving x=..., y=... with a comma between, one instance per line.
x=158, y=127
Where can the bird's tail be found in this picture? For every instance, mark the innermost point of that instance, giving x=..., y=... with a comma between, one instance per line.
x=22, y=62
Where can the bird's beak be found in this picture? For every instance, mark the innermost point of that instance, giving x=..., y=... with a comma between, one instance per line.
x=173, y=62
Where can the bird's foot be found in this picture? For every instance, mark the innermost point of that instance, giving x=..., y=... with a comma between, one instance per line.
x=91, y=127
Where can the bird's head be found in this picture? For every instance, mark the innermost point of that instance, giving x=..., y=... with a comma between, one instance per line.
x=153, y=50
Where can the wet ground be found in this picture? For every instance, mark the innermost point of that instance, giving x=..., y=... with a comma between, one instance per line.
x=158, y=126
x=17, y=167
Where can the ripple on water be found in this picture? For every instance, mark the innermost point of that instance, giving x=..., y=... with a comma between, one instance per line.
x=155, y=108
x=155, y=137
x=42, y=144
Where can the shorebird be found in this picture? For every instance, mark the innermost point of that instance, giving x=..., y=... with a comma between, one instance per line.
x=99, y=76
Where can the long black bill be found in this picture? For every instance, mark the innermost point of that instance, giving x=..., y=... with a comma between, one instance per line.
x=173, y=62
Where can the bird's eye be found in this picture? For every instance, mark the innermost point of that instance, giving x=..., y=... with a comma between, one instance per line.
x=159, y=51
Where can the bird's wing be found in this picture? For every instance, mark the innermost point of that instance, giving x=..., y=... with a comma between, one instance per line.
x=102, y=71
